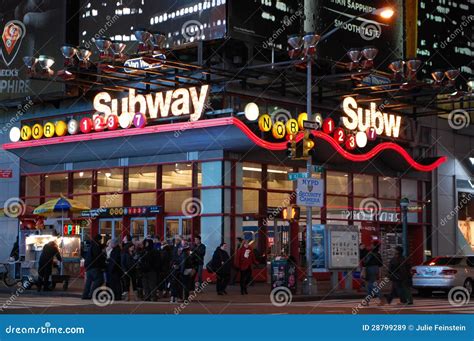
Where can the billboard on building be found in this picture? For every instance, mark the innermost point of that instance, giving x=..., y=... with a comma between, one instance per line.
x=29, y=28
x=181, y=21
x=190, y=20
x=368, y=30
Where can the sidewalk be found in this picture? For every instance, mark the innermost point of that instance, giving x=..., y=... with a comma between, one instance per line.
x=258, y=293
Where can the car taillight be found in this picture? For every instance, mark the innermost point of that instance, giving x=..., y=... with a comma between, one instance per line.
x=449, y=272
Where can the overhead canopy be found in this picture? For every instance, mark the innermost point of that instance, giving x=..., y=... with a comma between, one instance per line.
x=227, y=133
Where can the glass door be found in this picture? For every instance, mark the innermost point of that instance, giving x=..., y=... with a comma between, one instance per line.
x=142, y=227
x=178, y=226
x=110, y=228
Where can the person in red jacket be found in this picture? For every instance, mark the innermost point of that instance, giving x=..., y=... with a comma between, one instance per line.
x=244, y=261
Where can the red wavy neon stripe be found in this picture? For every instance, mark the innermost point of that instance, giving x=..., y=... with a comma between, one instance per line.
x=349, y=156
x=225, y=122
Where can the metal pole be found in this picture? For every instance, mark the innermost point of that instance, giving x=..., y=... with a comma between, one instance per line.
x=405, y=231
x=309, y=213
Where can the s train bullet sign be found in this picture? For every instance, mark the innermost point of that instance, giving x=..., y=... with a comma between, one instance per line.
x=179, y=102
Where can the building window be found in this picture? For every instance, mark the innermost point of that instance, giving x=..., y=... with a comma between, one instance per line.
x=82, y=182
x=277, y=178
x=56, y=184
x=388, y=188
x=250, y=201
x=84, y=199
x=363, y=185
x=252, y=175
x=111, y=200
x=142, y=178
x=174, y=201
x=144, y=199
x=337, y=207
x=32, y=185
x=410, y=189
x=337, y=183
x=178, y=175
x=110, y=180
x=279, y=199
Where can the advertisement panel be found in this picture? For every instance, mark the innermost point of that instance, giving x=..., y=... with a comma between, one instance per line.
x=267, y=22
x=370, y=30
x=29, y=28
x=181, y=21
x=343, y=245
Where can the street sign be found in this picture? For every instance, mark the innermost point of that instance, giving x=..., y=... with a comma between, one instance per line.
x=318, y=169
x=311, y=125
x=296, y=176
x=6, y=173
x=310, y=192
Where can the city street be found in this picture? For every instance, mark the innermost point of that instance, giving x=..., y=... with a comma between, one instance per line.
x=232, y=304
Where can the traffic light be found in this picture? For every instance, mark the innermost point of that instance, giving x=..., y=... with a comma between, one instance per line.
x=308, y=144
x=291, y=213
x=291, y=147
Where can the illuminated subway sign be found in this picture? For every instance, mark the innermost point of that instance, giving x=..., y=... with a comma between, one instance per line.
x=178, y=102
x=357, y=118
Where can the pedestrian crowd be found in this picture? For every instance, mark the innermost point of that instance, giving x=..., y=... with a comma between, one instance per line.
x=151, y=269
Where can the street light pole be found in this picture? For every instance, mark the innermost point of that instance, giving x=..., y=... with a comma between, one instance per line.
x=309, y=211
x=404, y=202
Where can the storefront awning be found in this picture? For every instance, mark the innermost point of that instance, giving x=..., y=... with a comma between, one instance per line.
x=227, y=133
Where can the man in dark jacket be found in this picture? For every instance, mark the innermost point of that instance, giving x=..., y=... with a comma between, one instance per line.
x=400, y=275
x=199, y=251
x=45, y=269
x=95, y=265
x=114, y=270
x=149, y=266
x=221, y=265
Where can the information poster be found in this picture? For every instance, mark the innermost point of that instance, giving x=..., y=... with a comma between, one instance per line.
x=343, y=247
x=319, y=248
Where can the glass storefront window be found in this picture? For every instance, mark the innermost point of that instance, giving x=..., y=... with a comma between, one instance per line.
x=111, y=200
x=178, y=175
x=110, y=180
x=278, y=199
x=252, y=175
x=337, y=183
x=85, y=199
x=174, y=200
x=56, y=184
x=142, y=178
x=388, y=188
x=144, y=199
x=410, y=189
x=363, y=185
x=33, y=202
x=337, y=207
x=250, y=201
x=82, y=182
x=277, y=178
x=32, y=186
x=389, y=211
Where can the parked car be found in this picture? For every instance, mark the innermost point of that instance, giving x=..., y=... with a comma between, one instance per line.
x=443, y=273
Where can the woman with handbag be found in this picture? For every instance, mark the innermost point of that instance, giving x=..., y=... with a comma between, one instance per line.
x=221, y=265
